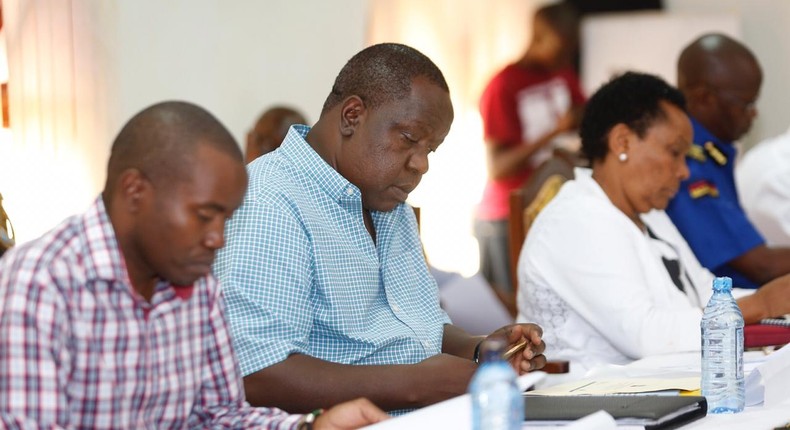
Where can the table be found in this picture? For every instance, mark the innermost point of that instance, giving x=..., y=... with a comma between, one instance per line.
x=454, y=413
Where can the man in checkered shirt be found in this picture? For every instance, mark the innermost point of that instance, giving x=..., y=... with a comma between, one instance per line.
x=327, y=286
x=113, y=320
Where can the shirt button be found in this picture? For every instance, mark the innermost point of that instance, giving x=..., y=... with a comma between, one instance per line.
x=396, y=308
x=349, y=191
x=426, y=344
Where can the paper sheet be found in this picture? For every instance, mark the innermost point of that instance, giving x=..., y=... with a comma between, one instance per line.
x=620, y=386
x=767, y=383
x=455, y=413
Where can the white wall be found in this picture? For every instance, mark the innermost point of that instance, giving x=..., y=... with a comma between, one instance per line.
x=647, y=42
x=80, y=69
x=235, y=58
x=764, y=26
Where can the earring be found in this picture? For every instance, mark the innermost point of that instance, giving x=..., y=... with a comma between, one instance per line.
x=623, y=157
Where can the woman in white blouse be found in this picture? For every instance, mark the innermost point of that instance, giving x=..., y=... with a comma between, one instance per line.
x=603, y=269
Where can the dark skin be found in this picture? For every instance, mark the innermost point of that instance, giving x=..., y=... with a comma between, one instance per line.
x=180, y=245
x=721, y=81
x=384, y=152
x=651, y=176
x=191, y=213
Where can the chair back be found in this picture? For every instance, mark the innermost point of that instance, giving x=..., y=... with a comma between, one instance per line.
x=6, y=230
x=527, y=202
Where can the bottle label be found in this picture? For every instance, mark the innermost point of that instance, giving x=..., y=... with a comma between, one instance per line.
x=739, y=352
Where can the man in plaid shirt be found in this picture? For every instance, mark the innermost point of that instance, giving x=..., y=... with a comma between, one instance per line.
x=113, y=320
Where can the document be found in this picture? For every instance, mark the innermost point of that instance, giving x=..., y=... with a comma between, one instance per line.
x=767, y=383
x=621, y=386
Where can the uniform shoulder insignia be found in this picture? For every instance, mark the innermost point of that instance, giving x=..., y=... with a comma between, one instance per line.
x=697, y=152
x=703, y=188
x=715, y=153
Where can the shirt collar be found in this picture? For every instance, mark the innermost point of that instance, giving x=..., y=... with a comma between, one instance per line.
x=308, y=162
x=103, y=261
x=703, y=136
x=583, y=175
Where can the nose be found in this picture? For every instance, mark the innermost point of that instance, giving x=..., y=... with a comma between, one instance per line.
x=683, y=170
x=751, y=111
x=215, y=236
x=419, y=162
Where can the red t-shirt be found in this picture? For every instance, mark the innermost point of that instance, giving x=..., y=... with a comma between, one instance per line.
x=522, y=104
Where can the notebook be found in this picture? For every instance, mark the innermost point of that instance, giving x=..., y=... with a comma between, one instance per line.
x=652, y=412
x=782, y=321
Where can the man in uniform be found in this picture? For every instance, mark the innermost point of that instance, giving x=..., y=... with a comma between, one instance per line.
x=721, y=79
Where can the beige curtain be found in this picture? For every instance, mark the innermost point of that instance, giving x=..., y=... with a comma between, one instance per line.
x=59, y=61
x=469, y=40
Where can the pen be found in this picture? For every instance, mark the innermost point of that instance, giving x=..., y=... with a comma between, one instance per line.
x=515, y=349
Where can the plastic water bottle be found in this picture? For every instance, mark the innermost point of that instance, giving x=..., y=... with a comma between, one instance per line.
x=497, y=403
x=722, y=351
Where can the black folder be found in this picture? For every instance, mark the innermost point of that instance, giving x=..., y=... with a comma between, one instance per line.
x=651, y=411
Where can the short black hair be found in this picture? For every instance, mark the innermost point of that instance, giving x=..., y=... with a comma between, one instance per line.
x=632, y=99
x=161, y=141
x=382, y=73
x=562, y=18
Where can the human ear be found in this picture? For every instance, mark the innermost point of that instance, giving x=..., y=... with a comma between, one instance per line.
x=351, y=111
x=619, y=139
x=132, y=188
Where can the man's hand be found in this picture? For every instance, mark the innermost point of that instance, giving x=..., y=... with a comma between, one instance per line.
x=769, y=301
x=531, y=357
x=350, y=415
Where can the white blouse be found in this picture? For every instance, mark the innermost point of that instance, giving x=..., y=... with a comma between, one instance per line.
x=597, y=284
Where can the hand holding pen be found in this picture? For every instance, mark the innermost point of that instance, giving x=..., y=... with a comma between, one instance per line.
x=525, y=346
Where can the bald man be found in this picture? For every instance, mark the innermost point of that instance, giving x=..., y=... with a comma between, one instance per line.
x=721, y=79
x=270, y=130
x=113, y=319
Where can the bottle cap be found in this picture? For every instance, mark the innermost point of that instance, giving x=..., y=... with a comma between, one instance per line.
x=723, y=283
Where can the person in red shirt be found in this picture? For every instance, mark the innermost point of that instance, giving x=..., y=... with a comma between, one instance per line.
x=524, y=108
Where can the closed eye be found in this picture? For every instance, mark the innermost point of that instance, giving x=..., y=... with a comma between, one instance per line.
x=409, y=137
x=206, y=214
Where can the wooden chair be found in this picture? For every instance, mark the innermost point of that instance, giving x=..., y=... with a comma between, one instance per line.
x=7, y=238
x=525, y=205
x=527, y=202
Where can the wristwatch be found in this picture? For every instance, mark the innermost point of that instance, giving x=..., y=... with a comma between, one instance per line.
x=306, y=423
x=476, y=356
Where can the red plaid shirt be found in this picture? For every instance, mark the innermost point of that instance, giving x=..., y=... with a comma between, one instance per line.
x=79, y=348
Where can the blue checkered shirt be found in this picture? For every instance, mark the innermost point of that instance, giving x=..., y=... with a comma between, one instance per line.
x=302, y=275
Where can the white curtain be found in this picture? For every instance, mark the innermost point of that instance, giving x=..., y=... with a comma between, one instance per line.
x=469, y=40
x=60, y=84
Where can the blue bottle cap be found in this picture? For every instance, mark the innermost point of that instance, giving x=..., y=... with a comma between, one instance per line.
x=723, y=283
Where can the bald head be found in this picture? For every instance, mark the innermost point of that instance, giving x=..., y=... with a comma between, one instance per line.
x=721, y=80
x=161, y=142
x=712, y=58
